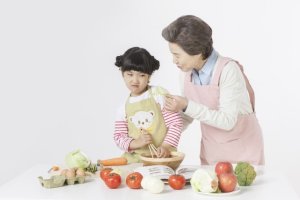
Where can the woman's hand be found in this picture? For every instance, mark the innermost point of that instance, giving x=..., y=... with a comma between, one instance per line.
x=175, y=103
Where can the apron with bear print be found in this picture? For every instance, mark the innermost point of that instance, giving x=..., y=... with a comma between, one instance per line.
x=244, y=142
x=145, y=114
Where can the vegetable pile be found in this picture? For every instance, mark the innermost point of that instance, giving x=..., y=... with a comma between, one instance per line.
x=224, y=179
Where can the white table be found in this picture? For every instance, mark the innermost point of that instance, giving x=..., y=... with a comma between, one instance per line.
x=26, y=186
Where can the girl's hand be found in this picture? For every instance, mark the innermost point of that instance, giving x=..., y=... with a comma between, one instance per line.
x=144, y=139
x=175, y=103
x=163, y=152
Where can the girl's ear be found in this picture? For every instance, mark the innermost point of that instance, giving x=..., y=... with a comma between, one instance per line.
x=149, y=78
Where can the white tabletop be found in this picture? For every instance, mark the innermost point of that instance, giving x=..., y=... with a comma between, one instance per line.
x=26, y=186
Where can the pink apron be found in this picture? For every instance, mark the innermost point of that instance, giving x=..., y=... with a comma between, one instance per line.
x=242, y=143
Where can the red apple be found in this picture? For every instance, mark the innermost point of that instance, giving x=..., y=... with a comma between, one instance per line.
x=223, y=167
x=227, y=182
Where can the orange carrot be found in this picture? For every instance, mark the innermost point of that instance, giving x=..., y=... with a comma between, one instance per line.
x=113, y=161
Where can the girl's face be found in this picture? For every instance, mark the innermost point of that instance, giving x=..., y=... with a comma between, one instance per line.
x=183, y=60
x=136, y=82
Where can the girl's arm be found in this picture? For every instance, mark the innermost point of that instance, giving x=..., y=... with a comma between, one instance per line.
x=174, y=124
x=173, y=120
x=187, y=120
x=121, y=136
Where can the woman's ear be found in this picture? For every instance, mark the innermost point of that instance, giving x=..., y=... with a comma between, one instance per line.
x=200, y=56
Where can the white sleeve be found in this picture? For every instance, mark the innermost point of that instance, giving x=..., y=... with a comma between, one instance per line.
x=121, y=114
x=232, y=87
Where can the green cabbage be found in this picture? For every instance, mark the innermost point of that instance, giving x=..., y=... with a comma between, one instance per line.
x=77, y=159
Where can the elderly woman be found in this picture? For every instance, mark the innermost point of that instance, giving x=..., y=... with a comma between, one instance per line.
x=216, y=92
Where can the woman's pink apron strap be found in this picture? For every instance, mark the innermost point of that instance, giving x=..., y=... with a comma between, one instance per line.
x=215, y=81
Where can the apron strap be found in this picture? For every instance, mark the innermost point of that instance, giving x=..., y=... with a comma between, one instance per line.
x=216, y=78
x=221, y=63
x=249, y=87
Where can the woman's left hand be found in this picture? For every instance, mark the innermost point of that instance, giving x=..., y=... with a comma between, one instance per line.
x=175, y=103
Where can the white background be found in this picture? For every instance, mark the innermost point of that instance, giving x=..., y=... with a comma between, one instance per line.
x=59, y=88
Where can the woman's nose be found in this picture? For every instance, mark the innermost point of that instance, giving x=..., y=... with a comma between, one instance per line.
x=175, y=60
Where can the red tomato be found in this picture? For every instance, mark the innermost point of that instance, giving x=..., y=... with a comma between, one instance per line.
x=105, y=172
x=227, y=182
x=134, y=180
x=223, y=167
x=176, y=181
x=113, y=180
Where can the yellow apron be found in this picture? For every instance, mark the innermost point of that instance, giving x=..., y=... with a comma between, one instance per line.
x=145, y=114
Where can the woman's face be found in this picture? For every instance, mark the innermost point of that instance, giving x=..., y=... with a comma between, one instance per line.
x=183, y=60
x=136, y=82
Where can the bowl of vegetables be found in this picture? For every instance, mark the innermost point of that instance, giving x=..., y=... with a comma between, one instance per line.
x=173, y=161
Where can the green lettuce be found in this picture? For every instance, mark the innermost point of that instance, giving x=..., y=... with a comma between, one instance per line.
x=77, y=159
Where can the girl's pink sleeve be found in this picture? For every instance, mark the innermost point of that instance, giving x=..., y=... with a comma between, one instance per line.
x=174, y=124
x=121, y=136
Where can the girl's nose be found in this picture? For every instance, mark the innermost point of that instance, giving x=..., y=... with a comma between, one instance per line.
x=135, y=79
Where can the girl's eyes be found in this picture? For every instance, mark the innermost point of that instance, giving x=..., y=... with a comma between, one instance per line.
x=131, y=74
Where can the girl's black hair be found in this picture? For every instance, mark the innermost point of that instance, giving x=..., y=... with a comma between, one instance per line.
x=137, y=59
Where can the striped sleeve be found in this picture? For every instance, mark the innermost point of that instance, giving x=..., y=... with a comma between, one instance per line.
x=174, y=125
x=121, y=137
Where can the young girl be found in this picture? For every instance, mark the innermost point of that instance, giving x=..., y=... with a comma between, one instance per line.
x=142, y=121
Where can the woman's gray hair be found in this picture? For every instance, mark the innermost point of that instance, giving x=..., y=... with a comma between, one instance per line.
x=192, y=34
